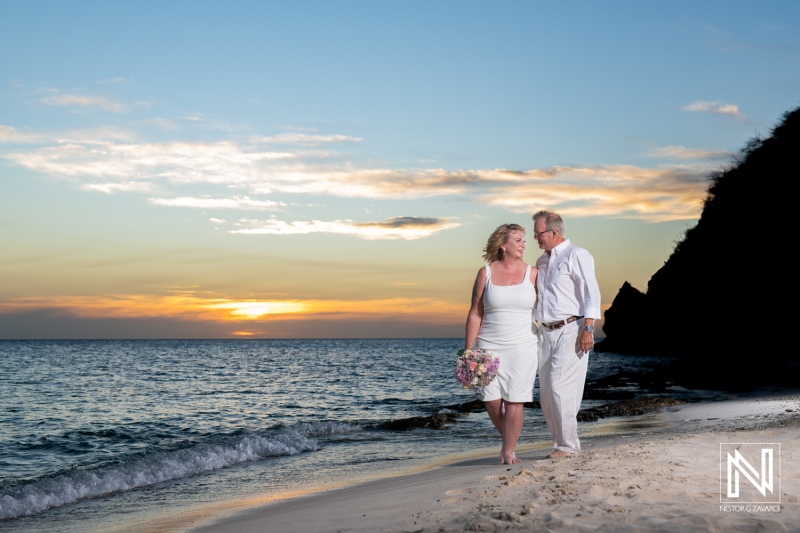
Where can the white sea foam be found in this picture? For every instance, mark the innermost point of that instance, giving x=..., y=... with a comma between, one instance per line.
x=326, y=428
x=149, y=470
x=93, y=402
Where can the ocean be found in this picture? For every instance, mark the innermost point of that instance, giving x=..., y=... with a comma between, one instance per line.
x=94, y=433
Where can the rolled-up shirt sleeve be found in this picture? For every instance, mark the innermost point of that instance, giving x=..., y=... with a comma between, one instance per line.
x=587, y=286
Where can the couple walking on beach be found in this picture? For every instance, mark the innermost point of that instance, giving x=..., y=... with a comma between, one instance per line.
x=535, y=317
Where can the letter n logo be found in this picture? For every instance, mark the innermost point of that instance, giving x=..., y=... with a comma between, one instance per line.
x=748, y=473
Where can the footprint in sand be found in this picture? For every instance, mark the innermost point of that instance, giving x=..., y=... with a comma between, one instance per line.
x=459, y=491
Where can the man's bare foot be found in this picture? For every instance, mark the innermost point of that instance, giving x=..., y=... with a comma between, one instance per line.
x=558, y=454
x=510, y=459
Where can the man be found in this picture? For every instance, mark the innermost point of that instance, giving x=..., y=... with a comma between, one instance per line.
x=567, y=306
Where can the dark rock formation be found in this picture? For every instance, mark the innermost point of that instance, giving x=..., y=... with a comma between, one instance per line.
x=466, y=407
x=721, y=301
x=623, y=385
x=437, y=421
x=625, y=325
x=477, y=406
x=638, y=406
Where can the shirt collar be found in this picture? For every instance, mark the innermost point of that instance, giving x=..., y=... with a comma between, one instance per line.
x=558, y=250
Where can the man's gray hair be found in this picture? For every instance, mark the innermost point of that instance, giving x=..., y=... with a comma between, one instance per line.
x=553, y=221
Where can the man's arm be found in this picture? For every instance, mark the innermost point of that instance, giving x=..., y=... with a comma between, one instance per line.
x=590, y=292
x=587, y=285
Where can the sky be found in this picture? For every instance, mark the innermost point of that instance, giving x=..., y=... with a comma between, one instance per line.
x=333, y=169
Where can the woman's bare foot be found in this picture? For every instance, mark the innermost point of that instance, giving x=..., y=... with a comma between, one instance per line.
x=509, y=459
x=558, y=454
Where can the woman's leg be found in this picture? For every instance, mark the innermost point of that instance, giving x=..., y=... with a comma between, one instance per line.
x=513, y=418
x=507, y=417
x=495, y=410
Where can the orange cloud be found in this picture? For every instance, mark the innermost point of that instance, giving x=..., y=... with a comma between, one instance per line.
x=620, y=191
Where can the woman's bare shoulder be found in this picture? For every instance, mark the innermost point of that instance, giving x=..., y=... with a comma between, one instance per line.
x=481, y=275
x=534, y=273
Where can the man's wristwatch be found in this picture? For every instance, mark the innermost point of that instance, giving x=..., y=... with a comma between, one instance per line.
x=590, y=329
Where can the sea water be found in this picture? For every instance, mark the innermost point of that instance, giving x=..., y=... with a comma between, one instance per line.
x=93, y=432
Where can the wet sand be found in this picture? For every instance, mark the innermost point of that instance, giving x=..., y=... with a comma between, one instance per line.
x=655, y=472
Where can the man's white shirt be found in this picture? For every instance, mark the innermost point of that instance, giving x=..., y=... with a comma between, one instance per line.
x=567, y=284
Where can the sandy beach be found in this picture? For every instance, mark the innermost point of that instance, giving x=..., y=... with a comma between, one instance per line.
x=655, y=472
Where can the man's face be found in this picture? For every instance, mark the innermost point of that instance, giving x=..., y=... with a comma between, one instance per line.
x=545, y=238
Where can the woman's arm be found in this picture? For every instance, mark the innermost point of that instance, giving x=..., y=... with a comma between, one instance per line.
x=475, y=315
x=534, y=277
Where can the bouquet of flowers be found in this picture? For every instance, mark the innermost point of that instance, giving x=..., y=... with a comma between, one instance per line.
x=476, y=369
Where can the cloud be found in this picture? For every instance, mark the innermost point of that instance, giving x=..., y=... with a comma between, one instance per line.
x=306, y=139
x=116, y=80
x=162, y=123
x=202, y=306
x=237, y=202
x=681, y=152
x=9, y=134
x=178, y=162
x=92, y=136
x=352, y=182
x=109, y=188
x=110, y=160
x=653, y=195
x=79, y=100
x=717, y=108
x=232, y=164
x=253, y=309
x=408, y=228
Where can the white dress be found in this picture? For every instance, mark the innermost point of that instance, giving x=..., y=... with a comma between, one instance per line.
x=509, y=332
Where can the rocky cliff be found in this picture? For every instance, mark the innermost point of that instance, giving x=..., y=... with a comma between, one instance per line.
x=721, y=302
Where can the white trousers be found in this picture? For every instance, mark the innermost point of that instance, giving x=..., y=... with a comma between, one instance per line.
x=562, y=374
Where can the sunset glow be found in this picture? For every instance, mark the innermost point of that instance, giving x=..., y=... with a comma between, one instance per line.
x=309, y=170
x=255, y=310
x=226, y=310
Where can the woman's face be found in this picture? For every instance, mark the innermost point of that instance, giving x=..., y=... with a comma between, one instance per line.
x=514, y=248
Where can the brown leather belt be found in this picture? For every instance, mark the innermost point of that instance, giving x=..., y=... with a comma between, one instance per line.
x=561, y=323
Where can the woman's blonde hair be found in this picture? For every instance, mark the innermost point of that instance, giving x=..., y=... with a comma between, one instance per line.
x=497, y=239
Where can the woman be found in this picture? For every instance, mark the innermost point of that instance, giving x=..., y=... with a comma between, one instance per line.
x=501, y=320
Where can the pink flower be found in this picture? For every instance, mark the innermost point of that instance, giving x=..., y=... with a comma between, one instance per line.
x=476, y=369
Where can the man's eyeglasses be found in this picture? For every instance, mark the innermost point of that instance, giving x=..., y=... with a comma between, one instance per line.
x=537, y=234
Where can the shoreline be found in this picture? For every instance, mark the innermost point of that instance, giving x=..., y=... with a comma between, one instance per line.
x=188, y=519
x=674, y=489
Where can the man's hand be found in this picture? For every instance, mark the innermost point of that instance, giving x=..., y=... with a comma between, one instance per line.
x=587, y=340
